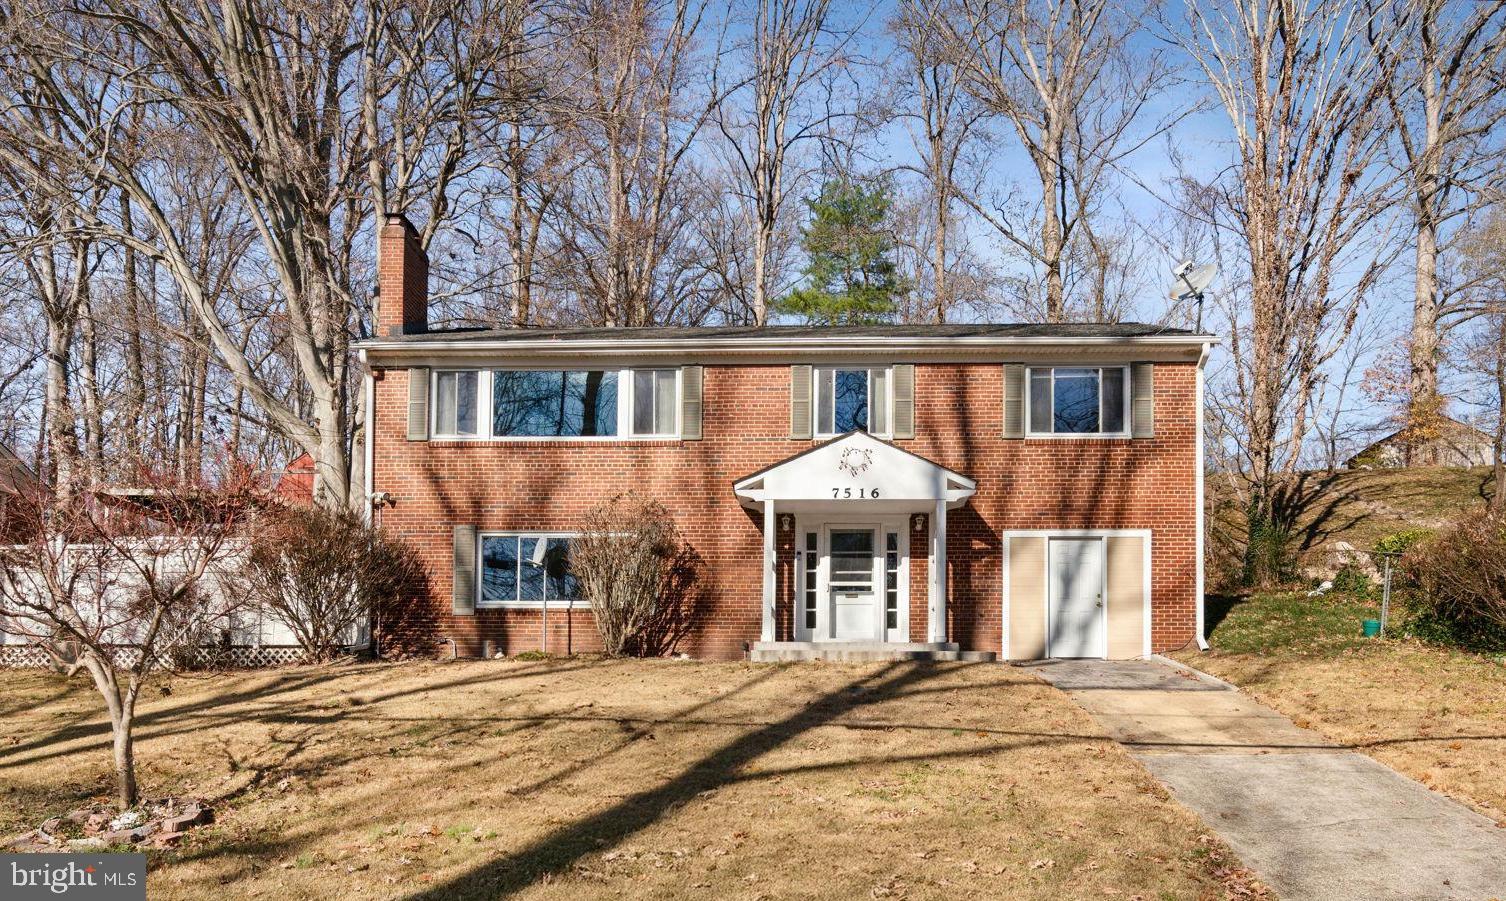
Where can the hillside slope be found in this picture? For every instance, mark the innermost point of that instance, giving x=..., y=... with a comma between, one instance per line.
x=1357, y=507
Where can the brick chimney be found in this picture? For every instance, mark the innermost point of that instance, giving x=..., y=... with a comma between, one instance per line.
x=402, y=306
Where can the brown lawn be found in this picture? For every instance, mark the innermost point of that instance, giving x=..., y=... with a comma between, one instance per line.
x=586, y=778
x=1435, y=714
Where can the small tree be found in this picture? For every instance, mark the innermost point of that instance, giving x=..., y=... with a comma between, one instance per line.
x=626, y=559
x=320, y=572
x=850, y=273
x=118, y=582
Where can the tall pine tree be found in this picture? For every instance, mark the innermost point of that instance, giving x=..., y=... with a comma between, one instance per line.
x=850, y=276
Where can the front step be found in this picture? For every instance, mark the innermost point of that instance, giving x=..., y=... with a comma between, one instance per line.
x=863, y=651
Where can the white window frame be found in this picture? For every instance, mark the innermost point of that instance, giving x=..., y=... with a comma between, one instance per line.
x=486, y=415
x=483, y=398
x=483, y=604
x=1128, y=426
x=816, y=425
x=632, y=404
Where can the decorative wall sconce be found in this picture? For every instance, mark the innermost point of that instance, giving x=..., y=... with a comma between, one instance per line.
x=920, y=522
x=786, y=521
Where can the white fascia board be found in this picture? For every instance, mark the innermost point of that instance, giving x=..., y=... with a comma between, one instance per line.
x=682, y=348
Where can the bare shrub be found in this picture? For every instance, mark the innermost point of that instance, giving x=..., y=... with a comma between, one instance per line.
x=322, y=572
x=1458, y=580
x=635, y=571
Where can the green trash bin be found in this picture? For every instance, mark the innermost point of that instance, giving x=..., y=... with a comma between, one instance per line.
x=1372, y=628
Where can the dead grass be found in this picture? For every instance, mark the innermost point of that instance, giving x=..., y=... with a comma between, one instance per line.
x=1435, y=714
x=582, y=778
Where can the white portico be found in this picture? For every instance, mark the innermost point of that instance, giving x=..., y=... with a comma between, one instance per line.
x=851, y=504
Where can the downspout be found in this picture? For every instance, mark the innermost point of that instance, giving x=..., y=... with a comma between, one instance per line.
x=368, y=507
x=368, y=440
x=1202, y=360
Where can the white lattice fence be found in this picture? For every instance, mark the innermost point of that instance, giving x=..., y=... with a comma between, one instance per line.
x=21, y=656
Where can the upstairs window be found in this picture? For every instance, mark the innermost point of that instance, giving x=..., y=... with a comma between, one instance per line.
x=456, y=406
x=850, y=400
x=654, y=401
x=554, y=403
x=1078, y=400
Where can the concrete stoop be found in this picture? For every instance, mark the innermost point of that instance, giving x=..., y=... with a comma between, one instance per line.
x=863, y=651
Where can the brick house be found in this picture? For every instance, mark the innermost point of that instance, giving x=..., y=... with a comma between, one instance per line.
x=1020, y=490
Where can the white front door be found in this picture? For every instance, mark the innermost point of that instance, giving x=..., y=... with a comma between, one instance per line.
x=852, y=559
x=1075, y=615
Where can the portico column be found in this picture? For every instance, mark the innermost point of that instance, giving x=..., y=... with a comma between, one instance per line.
x=768, y=570
x=937, y=624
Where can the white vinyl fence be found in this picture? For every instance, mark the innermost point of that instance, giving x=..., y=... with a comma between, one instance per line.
x=243, y=636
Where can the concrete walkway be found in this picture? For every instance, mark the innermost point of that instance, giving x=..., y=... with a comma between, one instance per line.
x=1315, y=821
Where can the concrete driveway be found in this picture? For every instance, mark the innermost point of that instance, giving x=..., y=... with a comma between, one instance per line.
x=1314, y=820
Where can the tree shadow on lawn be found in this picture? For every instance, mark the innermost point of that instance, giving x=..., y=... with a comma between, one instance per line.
x=211, y=711
x=726, y=766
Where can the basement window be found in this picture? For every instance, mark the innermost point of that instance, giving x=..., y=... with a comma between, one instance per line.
x=526, y=570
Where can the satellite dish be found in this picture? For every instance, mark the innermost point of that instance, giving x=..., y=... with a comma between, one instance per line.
x=1189, y=282
x=1192, y=281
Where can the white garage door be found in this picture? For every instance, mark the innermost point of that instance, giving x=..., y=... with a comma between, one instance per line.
x=1075, y=620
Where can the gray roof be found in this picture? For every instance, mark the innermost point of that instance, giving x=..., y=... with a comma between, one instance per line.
x=1066, y=330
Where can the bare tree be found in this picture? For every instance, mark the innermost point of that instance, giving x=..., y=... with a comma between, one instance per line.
x=117, y=584
x=943, y=116
x=1483, y=356
x=1302, y=91
x=1066, y=78
x=772, y=109
x=1446, y=105
x=638, y=116
x=319, y=114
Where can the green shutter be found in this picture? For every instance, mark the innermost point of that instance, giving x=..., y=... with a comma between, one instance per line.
x=690, y=403
x=904, y=400
x=1143, y=400
x=800, y=402
x=418, y=404
x=463, y=596
x=1014, y=400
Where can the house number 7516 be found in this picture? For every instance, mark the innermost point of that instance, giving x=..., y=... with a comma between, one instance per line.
x=863, y=493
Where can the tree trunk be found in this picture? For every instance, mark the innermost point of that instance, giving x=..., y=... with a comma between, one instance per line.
x=62, y=440
x=135, y=399
x=1051, y=236
x=939, y=180
x=124, y=749
x=1424, y=405
x=760, y=267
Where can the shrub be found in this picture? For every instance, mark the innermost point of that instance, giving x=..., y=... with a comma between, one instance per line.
x=632, y=567
x=1401, y=542
x=322, y=572
x=1352, y=579
x=1459, y=583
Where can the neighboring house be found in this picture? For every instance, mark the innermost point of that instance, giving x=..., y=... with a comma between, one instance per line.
x=295, y=484
x=1028, y=490
x=1457, y=444
x=15, y=477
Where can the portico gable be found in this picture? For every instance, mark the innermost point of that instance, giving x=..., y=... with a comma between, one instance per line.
x=854, y=477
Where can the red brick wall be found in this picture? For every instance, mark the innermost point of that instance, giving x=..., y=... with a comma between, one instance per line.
x=1031, y=484
x=402, y=279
